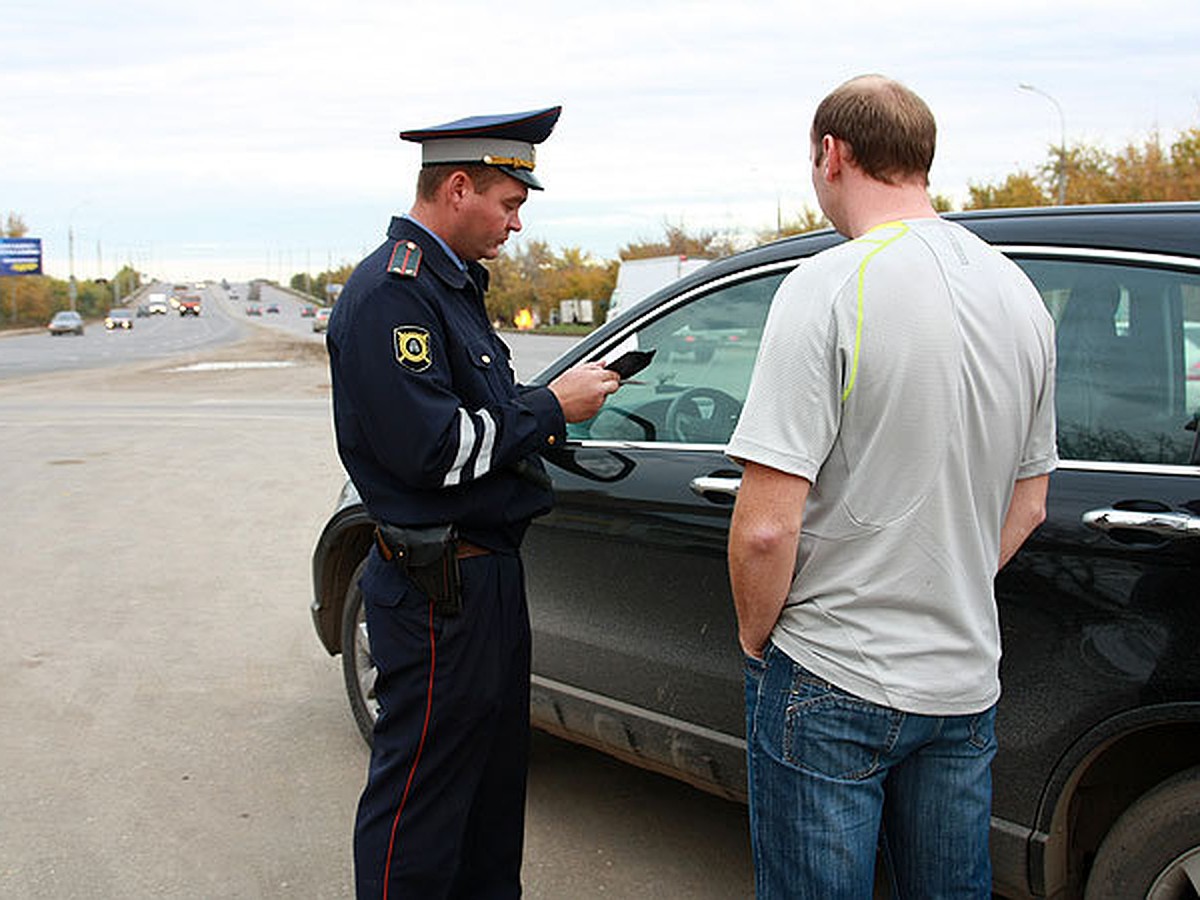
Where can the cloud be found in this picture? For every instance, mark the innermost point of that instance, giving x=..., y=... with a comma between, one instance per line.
x=267, y=124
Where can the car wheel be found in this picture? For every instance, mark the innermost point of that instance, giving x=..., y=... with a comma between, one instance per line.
x=358, y=670
x=1153, y=850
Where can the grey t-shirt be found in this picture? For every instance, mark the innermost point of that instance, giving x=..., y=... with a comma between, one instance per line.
x=909, y=375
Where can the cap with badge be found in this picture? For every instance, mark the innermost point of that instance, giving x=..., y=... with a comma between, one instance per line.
x=505, y=141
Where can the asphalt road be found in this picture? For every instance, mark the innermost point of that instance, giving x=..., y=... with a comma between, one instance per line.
x=171, y=726
x=152, y=337
x=224, y=320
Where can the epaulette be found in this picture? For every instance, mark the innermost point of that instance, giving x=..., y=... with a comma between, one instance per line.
x=406, y=259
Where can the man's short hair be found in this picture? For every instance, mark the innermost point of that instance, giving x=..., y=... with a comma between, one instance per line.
x=433, y=177
x=890, y=130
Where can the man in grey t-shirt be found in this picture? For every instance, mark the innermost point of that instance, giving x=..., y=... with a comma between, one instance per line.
x=897, y=439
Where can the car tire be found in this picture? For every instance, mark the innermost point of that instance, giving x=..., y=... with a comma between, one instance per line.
x=1153, y=846
x=358, y=671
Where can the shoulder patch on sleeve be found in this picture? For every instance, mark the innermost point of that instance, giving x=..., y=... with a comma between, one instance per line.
x=406, y=259
x=412, y=347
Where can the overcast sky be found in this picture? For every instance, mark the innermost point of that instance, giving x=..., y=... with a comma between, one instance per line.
x=210, y=138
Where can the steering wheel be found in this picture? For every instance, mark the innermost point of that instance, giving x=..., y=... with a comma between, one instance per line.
x=687, y=422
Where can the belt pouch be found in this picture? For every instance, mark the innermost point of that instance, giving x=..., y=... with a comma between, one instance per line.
x=430, y=558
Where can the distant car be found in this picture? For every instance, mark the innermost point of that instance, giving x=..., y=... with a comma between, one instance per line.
x=189, y=306
x=157, y=306
x=143, y=311
x=273, y=307
x=254, y=310
x=703, y=343
x=307, y=312
x=66, y=322
x=321, y=318
x=120, y=318
x=635, y=651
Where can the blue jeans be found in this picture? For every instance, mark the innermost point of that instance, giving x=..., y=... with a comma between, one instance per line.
x=835, y=779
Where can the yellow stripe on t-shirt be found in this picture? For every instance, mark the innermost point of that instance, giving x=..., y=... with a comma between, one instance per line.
x=898, y=230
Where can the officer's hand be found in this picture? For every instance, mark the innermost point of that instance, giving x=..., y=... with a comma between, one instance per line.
x=582, y=391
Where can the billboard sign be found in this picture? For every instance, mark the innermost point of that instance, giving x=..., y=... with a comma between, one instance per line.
x=20, y=256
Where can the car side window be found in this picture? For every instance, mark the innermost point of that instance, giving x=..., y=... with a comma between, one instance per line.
x=693, y=390
x=1128, y=342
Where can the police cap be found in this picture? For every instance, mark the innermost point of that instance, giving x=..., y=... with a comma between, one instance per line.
x=505, y=141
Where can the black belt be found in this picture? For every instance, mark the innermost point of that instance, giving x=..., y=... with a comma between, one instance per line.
x=463, y=549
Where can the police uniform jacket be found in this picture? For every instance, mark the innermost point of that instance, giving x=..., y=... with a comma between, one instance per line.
x=431, y=425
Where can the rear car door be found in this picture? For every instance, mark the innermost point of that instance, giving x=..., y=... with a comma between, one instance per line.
x=1098, y=609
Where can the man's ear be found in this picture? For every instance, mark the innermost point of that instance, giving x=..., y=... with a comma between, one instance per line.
x=832, y=152
x=457, y=186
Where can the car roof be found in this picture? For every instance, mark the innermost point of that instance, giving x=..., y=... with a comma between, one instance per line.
x=1172, y=228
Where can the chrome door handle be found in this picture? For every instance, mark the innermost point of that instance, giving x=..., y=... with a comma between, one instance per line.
x=1162, y=524
x=715, y=484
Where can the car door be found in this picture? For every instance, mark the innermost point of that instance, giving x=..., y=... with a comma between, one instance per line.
x=634, y=630
x=1098, y=610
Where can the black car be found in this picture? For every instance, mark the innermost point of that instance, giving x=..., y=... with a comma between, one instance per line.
x=1097, y=778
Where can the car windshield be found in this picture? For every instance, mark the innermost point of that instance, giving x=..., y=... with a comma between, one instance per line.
x=121, y=313
x=66, y=317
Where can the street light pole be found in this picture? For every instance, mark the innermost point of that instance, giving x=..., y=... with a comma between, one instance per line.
x=1062, y=141
x=71, y=290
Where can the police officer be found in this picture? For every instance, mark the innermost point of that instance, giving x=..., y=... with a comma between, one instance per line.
x=442, y=445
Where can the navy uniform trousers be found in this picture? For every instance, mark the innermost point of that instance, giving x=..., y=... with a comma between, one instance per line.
x=443, y=812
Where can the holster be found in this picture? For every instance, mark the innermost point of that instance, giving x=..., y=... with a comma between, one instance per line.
x=429, y=556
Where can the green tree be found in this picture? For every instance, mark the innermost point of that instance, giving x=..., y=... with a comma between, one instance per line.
x=577, y=275
x=1020, y=189
x=316, y=285
x=806, y=220
x=678, y=241
x=941, y=202
x=1138, y=172
x=1185, y=164
x=532, y=276
x=14, y=226
x=1090, y=176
